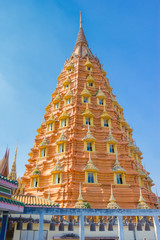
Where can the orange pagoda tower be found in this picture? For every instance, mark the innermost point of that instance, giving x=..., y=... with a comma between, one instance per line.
x=85, y=141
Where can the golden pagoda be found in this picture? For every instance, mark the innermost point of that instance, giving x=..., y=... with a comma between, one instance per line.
x=85, y=127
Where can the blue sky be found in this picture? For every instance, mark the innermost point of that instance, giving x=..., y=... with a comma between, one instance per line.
x=37, y=36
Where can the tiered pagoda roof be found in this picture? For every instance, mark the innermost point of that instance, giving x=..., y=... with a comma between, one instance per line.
x=91, y=121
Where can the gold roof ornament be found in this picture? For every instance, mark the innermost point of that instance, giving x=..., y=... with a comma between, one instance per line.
x=36, y=171
x=51, y=119
x=80, y=201
x=69, y=66
x=68, y=94
x=89, y=136
x=117, y=167
x=88, y=63
x=114, y=100
x=120, y=107
x=110, y=138
x=105, y=114
x=62, y=138
x=100, y=93
x=67, y=81
x=137, y=150
x=57, y=167
x=57, y=98
x=140, y=172
x=13, y=173
x=44, y=143
x=85, y=92
x=130, y=144
x=108, y=85
x=87, y=112
x=103, y=72
x=64, y=115
x=112, y=202
x=90, y=78
x=142, y=204
x=90, y=166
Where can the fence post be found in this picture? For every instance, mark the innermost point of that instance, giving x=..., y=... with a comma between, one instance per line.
x=156, y=227
x=120, y=228
x=81, y=227
x=40, y=235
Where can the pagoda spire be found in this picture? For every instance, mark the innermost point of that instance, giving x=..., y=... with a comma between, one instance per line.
x=13, y=173
x=81, y=39
x=80, y=19
x=112, y=202
x=81, y=48
x=142, y=204
x=4, y=169
x=80, y=201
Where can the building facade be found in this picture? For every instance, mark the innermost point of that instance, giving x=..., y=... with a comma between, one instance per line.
x=85, y=140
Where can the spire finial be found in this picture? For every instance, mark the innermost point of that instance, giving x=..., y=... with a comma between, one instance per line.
x=80, y=198
x=13, y=173
x=80, y=20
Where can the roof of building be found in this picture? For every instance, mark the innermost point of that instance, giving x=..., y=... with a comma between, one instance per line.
x=28, y=200
x=8, y=180
x=11, y=201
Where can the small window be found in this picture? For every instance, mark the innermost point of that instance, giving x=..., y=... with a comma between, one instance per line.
x=66, y=86
x=88, y=121
x=69, y=70
x=90, y=84
x=89, y=146
x=64, y=123
x=61, y=148
x=68, y=101
x=88, y=68
x=106, y=123
x=57, y=178
x=90, y=177
x=111, y=148
x=119, y=179
x=56, y=105
x=43, y=152
x=50, y=127
x=35, y=183
x=85, y=99
x=101, y=101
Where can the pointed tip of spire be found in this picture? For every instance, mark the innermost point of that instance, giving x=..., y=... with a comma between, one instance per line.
x=80, y=19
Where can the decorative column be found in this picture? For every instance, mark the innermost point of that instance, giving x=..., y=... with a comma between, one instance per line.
x=3, y=229
x=40, y=235
x=81, y=227
x=120, y=228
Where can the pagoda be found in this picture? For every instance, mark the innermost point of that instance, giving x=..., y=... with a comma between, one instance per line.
x=85, y=141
